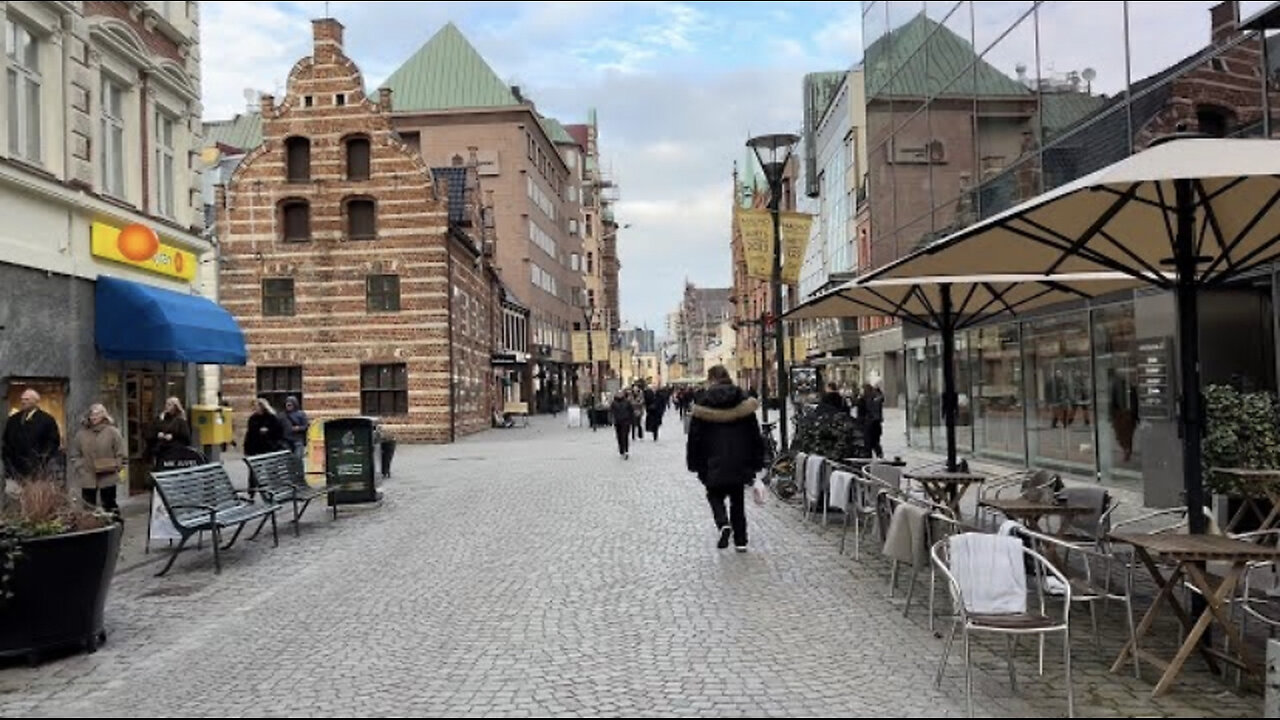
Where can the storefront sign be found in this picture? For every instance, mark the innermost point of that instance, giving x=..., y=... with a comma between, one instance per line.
x=138, y=246
x=348, y=444
x=1155, y=373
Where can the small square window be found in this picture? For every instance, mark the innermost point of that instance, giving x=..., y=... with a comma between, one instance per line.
x=308, y=101
x=340, y=99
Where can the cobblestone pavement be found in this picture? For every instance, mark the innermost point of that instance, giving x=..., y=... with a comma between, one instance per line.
x=533, y=572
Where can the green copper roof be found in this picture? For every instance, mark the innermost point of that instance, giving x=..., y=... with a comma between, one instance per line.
x=556, y=132
x=918, y=58
x=447, y=73
x=244, y=131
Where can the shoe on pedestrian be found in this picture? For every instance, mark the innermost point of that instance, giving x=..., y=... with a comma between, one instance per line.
x=626, y=456
x=740, y=548
x=725, y=533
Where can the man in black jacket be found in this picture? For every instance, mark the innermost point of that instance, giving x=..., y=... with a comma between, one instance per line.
x=726, y=451
x=31, y=438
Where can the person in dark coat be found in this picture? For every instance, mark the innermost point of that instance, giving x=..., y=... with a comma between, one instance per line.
x=871, y=414
x=725, y=450
x=624, y=414
x=31, y=438
x=172, y=431
x=265, y=432
x=655, y=406
x=833, y=399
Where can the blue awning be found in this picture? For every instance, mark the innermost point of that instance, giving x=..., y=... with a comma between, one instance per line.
x=140, y=322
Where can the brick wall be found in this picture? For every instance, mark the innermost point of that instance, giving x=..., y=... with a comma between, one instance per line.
x=331, y=335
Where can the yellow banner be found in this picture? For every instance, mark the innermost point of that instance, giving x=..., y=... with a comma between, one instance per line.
x=139, y=246
x=797, y=348
x=599, y=346
x=795, y=240
x=756, y=228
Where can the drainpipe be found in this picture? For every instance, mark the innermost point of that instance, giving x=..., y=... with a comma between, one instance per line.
x=146, y=145
x=448, y=293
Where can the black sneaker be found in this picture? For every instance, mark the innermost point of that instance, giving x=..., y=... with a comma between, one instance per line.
x=725, y=533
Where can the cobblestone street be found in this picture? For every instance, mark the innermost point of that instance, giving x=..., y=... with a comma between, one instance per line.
x=532, y=572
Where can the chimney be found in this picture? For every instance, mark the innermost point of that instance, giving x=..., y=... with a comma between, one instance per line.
x=267, y=104
x=1225, y=20
x=327, y=34
x=384, y=99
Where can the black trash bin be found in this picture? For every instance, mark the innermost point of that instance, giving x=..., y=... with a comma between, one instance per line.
x=349, y=469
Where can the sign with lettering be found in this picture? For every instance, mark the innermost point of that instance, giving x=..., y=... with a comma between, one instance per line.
x=138, y=246
x=1155, y=379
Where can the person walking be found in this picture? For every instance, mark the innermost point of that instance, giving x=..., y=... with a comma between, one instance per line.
x=871, y=413
x=296, y=423
x=624, y=414
x=97, y=454
x=725, y=450
x=264, y=434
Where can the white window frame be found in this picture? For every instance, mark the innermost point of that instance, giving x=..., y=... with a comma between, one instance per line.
x=165, y=170
x=111, y=160
x=24, y=142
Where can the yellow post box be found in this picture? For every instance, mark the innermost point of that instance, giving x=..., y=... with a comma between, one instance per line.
x=211, y=424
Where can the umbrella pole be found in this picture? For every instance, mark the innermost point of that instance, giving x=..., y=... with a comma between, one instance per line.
x=1189, y=353
x=949, y=399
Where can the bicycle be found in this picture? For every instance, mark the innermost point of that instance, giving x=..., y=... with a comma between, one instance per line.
x=780, y=473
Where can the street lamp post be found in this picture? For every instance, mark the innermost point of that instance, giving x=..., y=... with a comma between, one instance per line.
x=589, y=316
x=773, y=152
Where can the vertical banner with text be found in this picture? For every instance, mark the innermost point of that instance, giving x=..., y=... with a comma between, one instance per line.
x=795, y=240
x=756, y=227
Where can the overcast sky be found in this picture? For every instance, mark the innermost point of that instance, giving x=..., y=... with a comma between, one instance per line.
x=678, y=86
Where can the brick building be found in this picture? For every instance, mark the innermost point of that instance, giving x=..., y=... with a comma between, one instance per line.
x=354, y=269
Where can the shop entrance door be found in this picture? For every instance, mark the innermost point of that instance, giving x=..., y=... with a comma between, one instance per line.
x=146, y=385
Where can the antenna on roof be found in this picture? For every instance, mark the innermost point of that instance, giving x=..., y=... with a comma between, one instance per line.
x=326, y=11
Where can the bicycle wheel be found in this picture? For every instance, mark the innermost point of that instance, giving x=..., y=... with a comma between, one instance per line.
x=782, y=476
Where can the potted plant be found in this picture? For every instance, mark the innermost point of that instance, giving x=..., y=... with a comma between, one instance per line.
x=1242, y=430
x=57, y=558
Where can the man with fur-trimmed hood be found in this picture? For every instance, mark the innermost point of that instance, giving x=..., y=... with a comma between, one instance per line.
x=726, y=451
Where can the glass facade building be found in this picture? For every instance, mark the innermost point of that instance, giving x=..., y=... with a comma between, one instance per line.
x=976, y=106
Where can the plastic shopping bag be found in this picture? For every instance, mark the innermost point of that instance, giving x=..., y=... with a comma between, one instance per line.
x=759, y=492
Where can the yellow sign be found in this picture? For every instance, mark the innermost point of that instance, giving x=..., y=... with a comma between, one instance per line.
x=756, y=228
x=795, y=240
x=796, y=348
x=139, y=246
x=599, y=346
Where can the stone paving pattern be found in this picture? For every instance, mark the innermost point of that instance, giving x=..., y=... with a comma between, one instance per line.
x=532, y=572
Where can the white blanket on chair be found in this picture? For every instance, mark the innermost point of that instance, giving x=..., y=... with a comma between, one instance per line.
x=838, y=493
x=813, y=479
x=990, y=573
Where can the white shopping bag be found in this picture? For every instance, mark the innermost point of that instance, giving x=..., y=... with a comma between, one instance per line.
x=161, y=526
x=759, y=492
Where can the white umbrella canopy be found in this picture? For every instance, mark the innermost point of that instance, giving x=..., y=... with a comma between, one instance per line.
x=1186, y=213
x=1124, y=218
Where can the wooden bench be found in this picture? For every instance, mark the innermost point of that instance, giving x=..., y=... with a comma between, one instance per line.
x=202, y=498
x=281, y=477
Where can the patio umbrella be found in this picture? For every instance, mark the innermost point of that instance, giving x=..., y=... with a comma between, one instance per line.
x=948, y=304
x=1187, y=213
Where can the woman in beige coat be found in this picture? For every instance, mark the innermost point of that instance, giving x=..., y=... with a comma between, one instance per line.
x=97, y=455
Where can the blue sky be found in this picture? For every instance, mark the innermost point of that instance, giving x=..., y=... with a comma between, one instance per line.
x=678, y=86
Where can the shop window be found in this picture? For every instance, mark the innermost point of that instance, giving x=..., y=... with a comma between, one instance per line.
x=275, y=384
x=384, y=390
x=297, y=152
x=277, y=297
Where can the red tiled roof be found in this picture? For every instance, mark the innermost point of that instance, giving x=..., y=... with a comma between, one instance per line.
x=578, y=133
